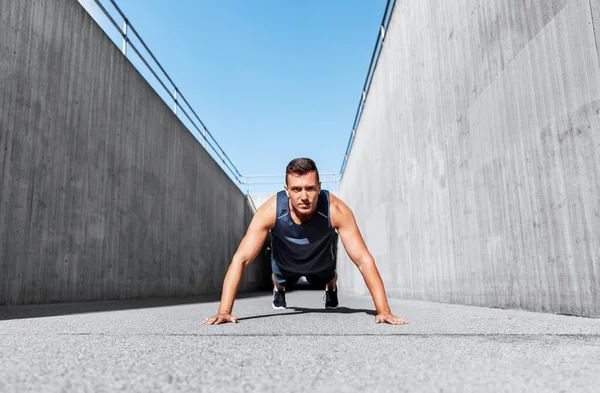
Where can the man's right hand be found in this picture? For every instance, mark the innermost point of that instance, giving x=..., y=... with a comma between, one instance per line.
x=222, y=317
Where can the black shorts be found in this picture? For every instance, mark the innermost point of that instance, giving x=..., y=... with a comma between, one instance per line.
x=284, y=278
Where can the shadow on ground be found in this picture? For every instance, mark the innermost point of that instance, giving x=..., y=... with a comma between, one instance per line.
x=303, y=310
x=58, y=309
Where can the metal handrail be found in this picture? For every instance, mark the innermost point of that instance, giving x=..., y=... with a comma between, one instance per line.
x=250, y=180
x=367, y=85
x=175, y=93
x=283, y=175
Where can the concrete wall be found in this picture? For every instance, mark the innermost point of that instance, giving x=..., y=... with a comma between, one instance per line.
x=103, y=192
x=257, y=200
x=475, y=173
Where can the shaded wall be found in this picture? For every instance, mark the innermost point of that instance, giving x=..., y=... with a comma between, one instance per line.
x=475, y=173
x=103, y=192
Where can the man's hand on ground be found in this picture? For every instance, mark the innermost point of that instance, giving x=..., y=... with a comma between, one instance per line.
x=222, y=317
x=389, y=318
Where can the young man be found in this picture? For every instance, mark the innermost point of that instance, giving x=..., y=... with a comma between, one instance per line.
x=303, y=220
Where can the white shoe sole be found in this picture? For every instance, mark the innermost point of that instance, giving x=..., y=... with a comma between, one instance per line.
x=277, y=308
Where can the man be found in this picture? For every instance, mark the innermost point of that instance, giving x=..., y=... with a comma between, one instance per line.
x=303, y=220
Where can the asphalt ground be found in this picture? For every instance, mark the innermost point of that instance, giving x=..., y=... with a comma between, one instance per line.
x=161, y=345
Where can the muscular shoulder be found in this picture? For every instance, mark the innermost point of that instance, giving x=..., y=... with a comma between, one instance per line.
x=339, y=211
x=265, y=215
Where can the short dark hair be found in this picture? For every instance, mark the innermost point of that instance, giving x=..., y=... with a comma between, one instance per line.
x=301, y=166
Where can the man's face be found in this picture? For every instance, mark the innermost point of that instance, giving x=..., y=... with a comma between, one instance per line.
x=303, y=192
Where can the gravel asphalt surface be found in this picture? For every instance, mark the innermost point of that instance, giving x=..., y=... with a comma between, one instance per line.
x=161, y=345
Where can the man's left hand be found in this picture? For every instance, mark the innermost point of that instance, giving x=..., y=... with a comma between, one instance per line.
x=389, y=318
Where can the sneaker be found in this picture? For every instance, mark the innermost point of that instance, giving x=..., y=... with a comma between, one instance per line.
x=279, y=299
x=331, y=298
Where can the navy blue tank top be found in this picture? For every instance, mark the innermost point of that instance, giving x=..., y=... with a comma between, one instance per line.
x=303, y=248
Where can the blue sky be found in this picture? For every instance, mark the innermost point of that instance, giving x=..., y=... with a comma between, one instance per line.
x=271, y=79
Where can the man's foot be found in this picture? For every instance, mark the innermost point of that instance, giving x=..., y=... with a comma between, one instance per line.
x=331, y=299
x=279, y=299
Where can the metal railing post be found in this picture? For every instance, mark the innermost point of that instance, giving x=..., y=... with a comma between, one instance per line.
x=175, y=101
x=124, y=49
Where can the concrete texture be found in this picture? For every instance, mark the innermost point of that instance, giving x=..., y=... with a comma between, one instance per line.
x=259, y=199
x=444, y=348
x=475, y=172
x=104, y=194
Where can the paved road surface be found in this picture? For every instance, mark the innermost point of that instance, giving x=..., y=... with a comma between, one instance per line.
x=162, y=346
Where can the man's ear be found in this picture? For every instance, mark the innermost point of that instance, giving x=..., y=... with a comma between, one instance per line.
x=287, y=192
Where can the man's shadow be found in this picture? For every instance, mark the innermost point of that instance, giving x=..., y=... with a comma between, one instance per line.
x=304, y=310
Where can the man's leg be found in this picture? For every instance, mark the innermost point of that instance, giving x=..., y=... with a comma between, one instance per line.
x=279, y=302
x=279, y=280
x=277, y=286
x=333, y=283
x=331, y=298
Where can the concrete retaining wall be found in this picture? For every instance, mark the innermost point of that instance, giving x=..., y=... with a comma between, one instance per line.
x=257, y=200
x=475, y=173
x=103, y=192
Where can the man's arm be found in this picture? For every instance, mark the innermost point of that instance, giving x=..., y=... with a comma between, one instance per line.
x=343, y=220
x=263, y=220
